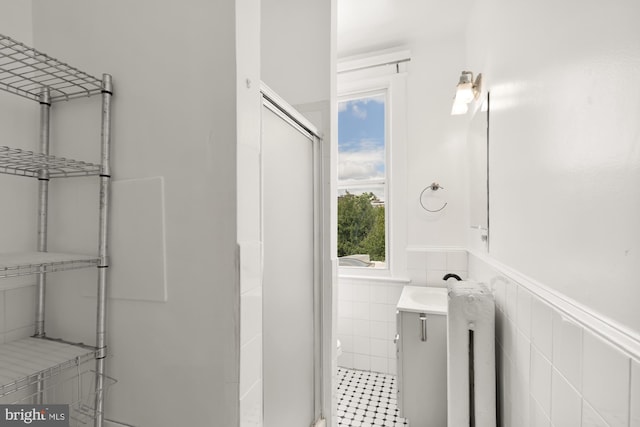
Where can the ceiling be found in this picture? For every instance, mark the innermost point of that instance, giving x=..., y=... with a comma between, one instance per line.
x=370, y=25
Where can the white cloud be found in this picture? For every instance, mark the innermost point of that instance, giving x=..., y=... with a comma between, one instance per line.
x=358, y=112
x=365, y=144
x=356, y=105
x=366, y=163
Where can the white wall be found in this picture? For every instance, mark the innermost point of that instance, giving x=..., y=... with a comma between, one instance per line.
x=174, y=116
x=436, y=143
x=564, y=236
x=17, y=20
x=296, y=49
x=20, y=127
x=249, y=208
x=565, y=146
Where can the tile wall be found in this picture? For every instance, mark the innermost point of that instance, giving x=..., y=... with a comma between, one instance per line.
x=552, y=369
x=367, y=307
x=427, y=266
x=366, y=324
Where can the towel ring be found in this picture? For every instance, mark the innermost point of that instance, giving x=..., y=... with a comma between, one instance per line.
x=433, y=187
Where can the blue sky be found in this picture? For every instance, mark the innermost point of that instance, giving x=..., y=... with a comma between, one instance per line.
x=361, y=150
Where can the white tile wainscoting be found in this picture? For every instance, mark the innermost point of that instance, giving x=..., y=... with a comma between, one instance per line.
x=427, y=266
x=367, y=307
x=558, y=365
x=367, y=323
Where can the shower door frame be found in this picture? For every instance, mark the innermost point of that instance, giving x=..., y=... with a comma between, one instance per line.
x=294, y=118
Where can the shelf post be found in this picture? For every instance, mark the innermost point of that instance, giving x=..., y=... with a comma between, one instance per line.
x=103, y=264
x=43, y=208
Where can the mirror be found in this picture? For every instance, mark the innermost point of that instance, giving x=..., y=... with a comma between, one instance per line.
x=478, y=149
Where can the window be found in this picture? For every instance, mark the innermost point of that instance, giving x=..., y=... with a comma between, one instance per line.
x=362, y=180
x=371, y=161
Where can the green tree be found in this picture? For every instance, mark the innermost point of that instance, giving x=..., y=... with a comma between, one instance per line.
x=374, y=243
x=361, y=226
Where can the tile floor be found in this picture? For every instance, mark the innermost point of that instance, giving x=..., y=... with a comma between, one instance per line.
x=367, y=399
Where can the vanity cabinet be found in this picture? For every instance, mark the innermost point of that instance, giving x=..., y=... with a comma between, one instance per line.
x=421, y=348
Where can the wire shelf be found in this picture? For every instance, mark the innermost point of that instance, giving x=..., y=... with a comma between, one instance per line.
x=22, y=264
x=83, y=407
x=26, y=362
x=74, y=386
x=26, y=72
x=15, y=161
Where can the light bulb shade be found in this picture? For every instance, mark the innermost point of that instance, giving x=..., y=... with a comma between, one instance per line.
x=459, y=108
x=464, y=93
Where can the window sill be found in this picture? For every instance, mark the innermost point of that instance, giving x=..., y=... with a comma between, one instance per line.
x=382, y=277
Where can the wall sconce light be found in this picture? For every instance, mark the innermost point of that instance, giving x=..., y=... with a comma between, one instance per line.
x=466, y=91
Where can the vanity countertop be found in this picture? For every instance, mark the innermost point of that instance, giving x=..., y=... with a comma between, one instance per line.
x=422, y=299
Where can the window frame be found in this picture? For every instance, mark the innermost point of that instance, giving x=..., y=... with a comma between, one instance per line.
x=358, y=84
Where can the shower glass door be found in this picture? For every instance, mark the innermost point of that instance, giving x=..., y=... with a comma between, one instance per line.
x=289, y=272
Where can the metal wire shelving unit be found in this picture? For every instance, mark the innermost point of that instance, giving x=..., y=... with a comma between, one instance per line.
x=27, y=263
x=23, y=364
x=19, y=162
x=34, y=369
x=25, y=72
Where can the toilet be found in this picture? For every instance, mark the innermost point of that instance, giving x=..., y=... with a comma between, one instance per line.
x=338, y=348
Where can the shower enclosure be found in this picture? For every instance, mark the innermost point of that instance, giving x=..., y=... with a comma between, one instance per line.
x=291, y=207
